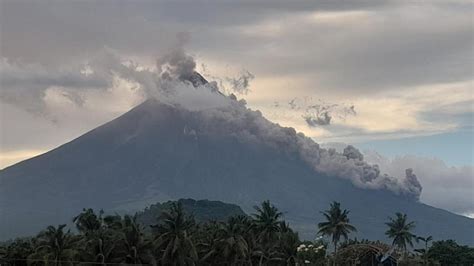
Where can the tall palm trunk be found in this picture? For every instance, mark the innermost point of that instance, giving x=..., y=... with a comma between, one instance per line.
x=335, y=252
x=426, y=253
x=57, y=257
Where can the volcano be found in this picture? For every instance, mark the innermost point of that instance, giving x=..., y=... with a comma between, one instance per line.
x=164, y=151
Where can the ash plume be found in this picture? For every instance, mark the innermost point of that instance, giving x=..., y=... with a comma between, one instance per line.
x=237, y=84
x=318, y=115
x=456, y=183
x=177, y=64
x=241, y=83
x=411, y=182
x=251, y=127
x=352, y=153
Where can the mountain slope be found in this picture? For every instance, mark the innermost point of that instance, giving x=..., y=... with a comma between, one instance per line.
x=158, y=152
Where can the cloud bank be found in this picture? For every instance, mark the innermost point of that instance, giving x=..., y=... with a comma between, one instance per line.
x=444, y=186
x=372, y=54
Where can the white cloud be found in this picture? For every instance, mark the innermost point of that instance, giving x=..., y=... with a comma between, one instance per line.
x=414, y=111
x=9, y=158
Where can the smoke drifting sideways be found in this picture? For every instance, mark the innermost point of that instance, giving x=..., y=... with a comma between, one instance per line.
x=251, y=127
x=233, y=118
x=318, y=112
x=176, y=82
x=239, y=84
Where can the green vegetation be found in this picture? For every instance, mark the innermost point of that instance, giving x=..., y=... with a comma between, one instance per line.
x=201, y=210
x=424, y=251
x=337, y=224
x=400, y=230
x=448, y=252
x=264, y=238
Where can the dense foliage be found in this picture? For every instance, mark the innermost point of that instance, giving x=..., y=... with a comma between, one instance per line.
x=336, y=225
x=176, y=239
x=448, y=252
x=400, y=230
x=263, y=238
x=201, y=210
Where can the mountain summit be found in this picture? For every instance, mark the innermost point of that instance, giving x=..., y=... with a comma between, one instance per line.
x=218, y=150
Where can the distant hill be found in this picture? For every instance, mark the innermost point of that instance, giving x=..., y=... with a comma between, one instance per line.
x=201, y=210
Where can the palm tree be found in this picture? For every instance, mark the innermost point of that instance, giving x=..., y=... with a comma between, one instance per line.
x=3, y=253
x=16, y=252
x=208, y=244
x=288, y=243
x=251, y=236
x=55, y=245
x=87, y=222
x=424, y=251
x=100, y=249
x=400, y=230
x=233, y=244
x=134, y=248
x=173, y=237
x=336, y=225
x=266, y=226
x=267, y=221
x=99, y=237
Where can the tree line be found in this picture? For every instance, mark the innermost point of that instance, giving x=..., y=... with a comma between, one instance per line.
x=263, y=238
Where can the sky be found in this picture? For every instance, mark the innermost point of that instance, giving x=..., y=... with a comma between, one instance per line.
x=394, y=78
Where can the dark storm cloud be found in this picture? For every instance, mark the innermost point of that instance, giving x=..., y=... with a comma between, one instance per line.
x=391, y=43
x=399, y=43
x=377, y=50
